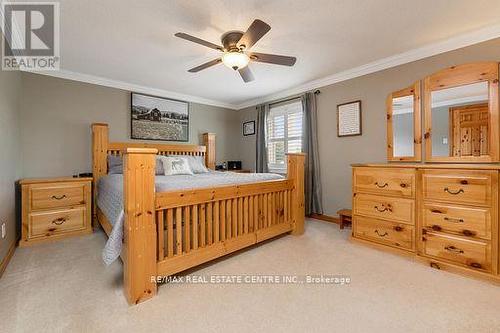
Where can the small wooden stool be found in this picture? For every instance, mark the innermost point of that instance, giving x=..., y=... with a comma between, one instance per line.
x=345, y=216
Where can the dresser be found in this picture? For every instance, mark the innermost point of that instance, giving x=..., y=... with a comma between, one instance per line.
x=444, y=215
x=55, y=208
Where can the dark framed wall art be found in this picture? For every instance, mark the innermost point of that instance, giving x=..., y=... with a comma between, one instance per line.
x=158, y=118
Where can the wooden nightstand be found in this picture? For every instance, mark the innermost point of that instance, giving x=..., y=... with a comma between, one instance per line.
x=55, y=208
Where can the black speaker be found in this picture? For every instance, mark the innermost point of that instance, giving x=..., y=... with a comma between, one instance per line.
x=234, y=165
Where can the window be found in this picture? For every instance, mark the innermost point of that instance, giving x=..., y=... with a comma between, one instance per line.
x=284, y=133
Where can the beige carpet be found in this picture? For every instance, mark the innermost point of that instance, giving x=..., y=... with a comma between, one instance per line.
x=64, y=287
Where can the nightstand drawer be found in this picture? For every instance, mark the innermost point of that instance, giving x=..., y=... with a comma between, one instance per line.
x=57, y=195
x=45, y=224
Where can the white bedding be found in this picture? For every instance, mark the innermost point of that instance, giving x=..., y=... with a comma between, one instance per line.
x=110, y=197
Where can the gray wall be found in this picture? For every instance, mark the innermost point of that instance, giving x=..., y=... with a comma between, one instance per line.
x=56, y=115
x=247, y=143
x=10, y=88
x=337, y=154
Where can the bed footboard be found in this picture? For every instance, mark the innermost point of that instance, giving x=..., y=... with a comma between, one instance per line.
x=170, y=232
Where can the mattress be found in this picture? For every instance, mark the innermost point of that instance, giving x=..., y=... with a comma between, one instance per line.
x=110, y=197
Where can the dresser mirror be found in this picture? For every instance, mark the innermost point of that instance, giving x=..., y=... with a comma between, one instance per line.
x=461, y=114
x=404, y=125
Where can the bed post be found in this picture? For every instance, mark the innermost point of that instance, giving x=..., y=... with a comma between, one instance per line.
x=140, y=228
x=209, y=142
x=295, y=173
x=100, y=141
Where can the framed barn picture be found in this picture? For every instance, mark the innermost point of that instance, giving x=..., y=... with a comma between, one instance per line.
x=157, y=118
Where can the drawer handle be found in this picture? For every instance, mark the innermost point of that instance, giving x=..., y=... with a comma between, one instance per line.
x=454, y=220
x=454, y=193
x=453, y=249
x=398, y=228
x=381, y=186
x=59, y=198
x=436, y=227
x=435, y=265
x=468, y=233
x=384, y=209
x=475, y=265
x=60, y=220
x=381, y=235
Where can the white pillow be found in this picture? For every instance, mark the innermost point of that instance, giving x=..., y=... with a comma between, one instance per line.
x=176, y=166
x=196, y=163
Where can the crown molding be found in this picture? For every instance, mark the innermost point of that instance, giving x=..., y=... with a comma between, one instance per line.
x=101, y=81
x=426, y=51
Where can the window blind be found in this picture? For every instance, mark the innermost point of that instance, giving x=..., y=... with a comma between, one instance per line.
x=284, y=133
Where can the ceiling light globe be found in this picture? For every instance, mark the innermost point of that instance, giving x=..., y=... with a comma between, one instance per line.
x=235, y=60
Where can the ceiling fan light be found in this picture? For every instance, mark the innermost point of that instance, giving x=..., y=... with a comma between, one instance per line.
x=235, y=60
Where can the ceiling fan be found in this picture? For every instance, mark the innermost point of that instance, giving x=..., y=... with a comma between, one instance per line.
x=236, y=54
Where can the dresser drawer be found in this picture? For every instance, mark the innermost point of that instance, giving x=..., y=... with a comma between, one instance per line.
x=385, y=181
x=467, y=221
x=384, y=232
x=43, y=224
x=469, y=187
x=56, y=196
x=471, y=253
x=387, y=208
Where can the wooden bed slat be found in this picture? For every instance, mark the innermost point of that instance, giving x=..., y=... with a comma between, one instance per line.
x=203, y=222
x=170, y=232
x=240, y=216
x=229, y=224
x=160, y=225
x=195, y=227
x=209, y=223
x=187, y=228
x=222, y=220
x=234, y=218
x=178, y=228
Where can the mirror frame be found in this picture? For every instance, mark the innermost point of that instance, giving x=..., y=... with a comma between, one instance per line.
x=417, y=124
x=458, y=76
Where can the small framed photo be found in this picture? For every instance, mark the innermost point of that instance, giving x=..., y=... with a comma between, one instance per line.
x=249, y=128
x=349, y=119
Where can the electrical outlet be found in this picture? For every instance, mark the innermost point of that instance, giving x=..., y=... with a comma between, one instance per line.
x=3, y=230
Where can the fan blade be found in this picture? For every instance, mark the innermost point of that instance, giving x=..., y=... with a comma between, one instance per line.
x=272, y=58
x=255, y=32
x=198, y=41
x=205, y=65
x=246, y=74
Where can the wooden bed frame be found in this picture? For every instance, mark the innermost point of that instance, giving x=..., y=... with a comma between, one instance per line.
x=168, y=232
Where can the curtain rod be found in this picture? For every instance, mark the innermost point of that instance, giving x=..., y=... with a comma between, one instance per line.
x=316, y=92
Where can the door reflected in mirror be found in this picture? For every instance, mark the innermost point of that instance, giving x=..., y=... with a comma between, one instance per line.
x=460, y=121
x=403, y=125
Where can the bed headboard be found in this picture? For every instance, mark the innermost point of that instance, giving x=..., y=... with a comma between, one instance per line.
x=101, y=148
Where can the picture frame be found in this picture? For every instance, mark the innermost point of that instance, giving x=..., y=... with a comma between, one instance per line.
x=249, y=128
x=349, y=119
x=158, y=118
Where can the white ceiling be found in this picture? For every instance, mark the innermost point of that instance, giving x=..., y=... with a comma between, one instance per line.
x=132, y=42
